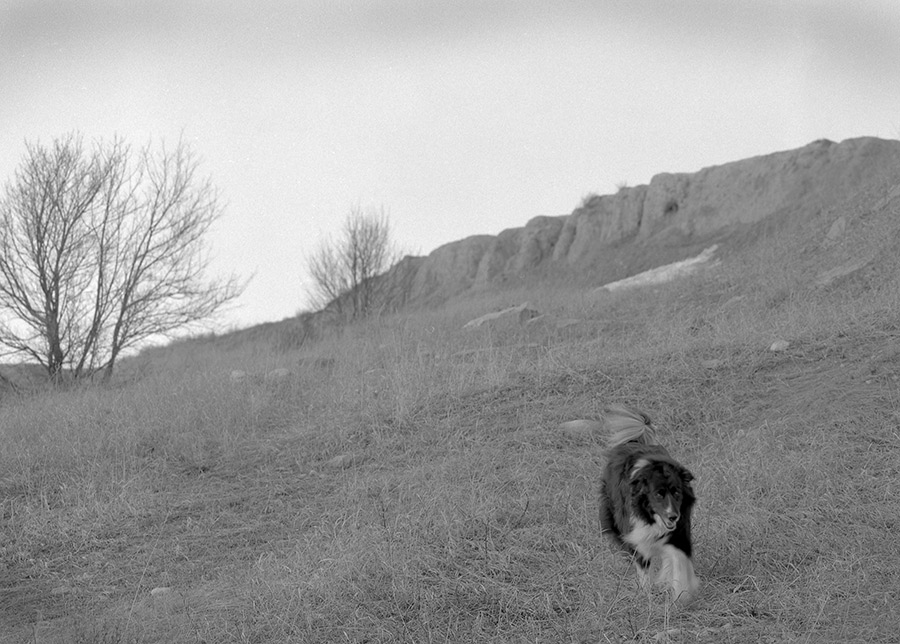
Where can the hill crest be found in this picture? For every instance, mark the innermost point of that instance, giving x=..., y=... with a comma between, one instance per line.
x=674, y=209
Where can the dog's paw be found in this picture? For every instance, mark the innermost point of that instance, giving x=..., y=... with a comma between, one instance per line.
x=687, y=594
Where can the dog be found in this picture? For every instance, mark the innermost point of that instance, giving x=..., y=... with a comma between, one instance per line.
x=645, y=503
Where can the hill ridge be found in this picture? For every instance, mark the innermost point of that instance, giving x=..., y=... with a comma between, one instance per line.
x=673, y=209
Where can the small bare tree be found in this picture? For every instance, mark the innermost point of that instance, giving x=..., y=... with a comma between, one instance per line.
x=101, y=249
x=344, y=271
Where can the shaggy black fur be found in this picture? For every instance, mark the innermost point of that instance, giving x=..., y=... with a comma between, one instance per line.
x=624, y=497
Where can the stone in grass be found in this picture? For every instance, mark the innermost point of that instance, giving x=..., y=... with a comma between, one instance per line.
x=779, y=345
x=581, y=429
x=521, y=314
x=278, y=375
x=836, y=232
x=344, y=461
x=160, y=591
x=828, y=277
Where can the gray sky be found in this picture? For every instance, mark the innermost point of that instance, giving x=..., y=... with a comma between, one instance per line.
x=457, y=116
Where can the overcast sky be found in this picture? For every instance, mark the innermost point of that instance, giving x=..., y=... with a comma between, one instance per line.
x=457, y=116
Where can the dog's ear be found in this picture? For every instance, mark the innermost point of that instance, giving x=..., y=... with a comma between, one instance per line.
x=639, y=468
x=640, y=480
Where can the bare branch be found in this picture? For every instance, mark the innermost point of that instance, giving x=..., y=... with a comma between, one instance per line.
x=101, y=249
x=344, y=271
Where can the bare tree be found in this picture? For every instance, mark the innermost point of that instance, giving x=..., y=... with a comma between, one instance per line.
x=102, y=248
x=344, y=271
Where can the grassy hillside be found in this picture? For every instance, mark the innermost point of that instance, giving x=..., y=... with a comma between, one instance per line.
x=407, y=482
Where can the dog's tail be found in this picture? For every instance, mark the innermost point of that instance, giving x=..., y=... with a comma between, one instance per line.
x=625, y=424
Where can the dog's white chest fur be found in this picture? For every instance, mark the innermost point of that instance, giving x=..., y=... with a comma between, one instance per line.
x=645, y=537
x=677, y=570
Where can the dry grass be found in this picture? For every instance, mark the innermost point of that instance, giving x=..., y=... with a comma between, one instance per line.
x=462, y=514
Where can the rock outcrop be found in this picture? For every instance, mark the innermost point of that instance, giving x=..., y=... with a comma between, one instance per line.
x=679, y=207
x=520, y=315
x=448, y=270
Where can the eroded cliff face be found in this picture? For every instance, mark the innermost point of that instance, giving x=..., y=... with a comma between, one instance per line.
x=446, y=271
x=682, y=206
x=747, y=191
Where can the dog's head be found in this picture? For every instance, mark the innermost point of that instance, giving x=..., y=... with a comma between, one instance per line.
x=661, y=488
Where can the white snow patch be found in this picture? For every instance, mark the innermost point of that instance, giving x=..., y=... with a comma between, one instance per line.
x=665, y=273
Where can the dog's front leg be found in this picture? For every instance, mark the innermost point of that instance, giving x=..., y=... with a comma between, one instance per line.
x=642, y=568
x=678, y=571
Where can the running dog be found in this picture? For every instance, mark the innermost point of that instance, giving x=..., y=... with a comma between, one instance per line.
x=645, y=502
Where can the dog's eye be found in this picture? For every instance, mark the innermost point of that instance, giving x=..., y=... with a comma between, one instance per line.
x=660, y=495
